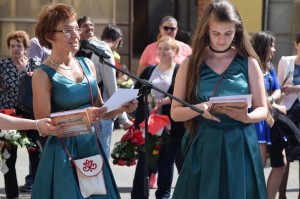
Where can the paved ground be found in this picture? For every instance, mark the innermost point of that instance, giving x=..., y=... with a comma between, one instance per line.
x=124, y=175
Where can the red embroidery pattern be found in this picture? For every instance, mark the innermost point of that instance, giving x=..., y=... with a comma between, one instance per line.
x=89, y=165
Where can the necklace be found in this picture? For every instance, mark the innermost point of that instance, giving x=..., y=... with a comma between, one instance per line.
x=62, y=67
x=219, y=51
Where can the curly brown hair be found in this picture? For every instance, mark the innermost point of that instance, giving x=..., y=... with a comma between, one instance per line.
x=48, y=18
x=20, y=36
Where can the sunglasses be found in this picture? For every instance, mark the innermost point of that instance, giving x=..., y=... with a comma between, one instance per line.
x=166, y=28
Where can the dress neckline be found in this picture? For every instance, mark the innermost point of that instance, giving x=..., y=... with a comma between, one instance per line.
x=234, y=58
x=83, y=79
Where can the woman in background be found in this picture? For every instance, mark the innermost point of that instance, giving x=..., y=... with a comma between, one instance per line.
x=11, y=70
x=291, y=100
x=264, y=45
x=161, y=75
x=168, y=27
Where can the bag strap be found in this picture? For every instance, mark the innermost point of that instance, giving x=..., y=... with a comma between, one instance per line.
x=30, y=65
x=218, y=83
x=96, y=129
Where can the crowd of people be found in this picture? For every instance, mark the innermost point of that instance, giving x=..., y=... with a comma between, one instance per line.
x=219, y=155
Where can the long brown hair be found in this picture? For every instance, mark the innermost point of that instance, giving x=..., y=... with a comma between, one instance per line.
x=222, y=11
x=262, y=43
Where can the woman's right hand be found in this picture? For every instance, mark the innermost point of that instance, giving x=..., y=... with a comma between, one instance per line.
x=206, y=114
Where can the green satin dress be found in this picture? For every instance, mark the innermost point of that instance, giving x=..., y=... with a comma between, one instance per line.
x=56, y=178
x=223, y=161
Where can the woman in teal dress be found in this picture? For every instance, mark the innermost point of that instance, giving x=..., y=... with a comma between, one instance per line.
x=222, y=158
x=65, y=83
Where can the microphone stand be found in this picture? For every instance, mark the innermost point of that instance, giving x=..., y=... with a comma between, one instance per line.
x=145, y=91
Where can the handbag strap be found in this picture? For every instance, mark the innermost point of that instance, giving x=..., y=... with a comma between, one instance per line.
x=30, y=65
x=218, y=83
x=96, y=129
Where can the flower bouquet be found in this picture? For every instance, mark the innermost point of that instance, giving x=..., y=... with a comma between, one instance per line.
x=126, y=151
x=9, y=138
x=158, y=128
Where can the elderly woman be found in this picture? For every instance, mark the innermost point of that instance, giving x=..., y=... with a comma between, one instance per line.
x=62, y=83
x=11, y=70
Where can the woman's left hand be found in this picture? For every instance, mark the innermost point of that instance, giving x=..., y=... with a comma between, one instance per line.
x=239, y=114
x=129, y=107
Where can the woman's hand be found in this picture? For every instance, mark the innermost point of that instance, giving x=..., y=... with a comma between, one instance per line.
x=45, y=127
x=239, y=114
x=96, y=113
x=289, y=89
x=158, y=104
x=129, y=107
x=206, y=114
x=29, y=73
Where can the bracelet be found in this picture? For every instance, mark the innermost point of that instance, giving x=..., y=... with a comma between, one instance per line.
x=37, y=128
x=272, y=100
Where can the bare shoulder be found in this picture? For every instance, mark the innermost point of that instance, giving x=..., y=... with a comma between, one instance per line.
x=184, y=64
x=39, y=74
x=89, y=62
x=40, y=79
x=253, y=64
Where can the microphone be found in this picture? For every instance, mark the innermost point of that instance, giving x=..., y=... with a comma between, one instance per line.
x=99, y=52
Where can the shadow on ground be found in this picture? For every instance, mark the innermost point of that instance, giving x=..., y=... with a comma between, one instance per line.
x=22, y=195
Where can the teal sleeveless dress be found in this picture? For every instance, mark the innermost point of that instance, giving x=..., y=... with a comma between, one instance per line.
x=223, y=161
x=56, y=178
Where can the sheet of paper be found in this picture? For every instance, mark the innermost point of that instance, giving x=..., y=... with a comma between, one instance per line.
x=232, y=98
x=120, y=97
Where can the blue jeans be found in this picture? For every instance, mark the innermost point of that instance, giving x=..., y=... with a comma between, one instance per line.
x=105, y=129
x=165, y=168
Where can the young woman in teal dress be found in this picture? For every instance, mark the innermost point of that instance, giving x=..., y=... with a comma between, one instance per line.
x=64, y=83
x=222, y=158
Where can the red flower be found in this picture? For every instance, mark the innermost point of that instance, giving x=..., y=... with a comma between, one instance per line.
x=32, y=149
x=137, y=141
x=130, y=163
x=157, y=147
x=121, y=162
x=126, y=136
x=137, y=138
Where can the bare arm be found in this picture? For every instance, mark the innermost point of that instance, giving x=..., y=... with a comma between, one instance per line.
x=178, y=111
x=43, y=125
x=9, y=122
x=41, y=88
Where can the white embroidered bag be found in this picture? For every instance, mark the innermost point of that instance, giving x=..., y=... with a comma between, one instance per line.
x=90, y=176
